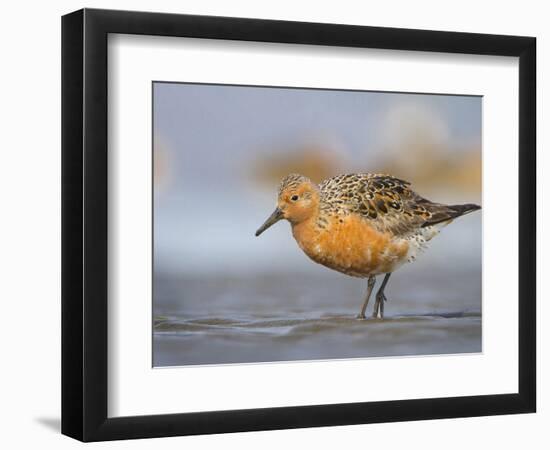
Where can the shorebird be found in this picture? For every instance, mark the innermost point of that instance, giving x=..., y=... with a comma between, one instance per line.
x=361, y=225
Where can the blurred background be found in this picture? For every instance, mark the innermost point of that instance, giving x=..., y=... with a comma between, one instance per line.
x=223, y=296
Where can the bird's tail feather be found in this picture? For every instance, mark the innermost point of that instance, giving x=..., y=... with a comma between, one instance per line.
x=465, y=209
x=449, y=212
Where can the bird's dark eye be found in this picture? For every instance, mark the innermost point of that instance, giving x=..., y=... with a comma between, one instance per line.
x=294, y=198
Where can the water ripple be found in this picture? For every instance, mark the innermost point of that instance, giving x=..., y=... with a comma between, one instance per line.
x=300, y=324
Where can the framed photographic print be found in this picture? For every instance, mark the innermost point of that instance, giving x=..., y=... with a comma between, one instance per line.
x=267, y=223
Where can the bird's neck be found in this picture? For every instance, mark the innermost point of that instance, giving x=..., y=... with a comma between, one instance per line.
x=305, y=232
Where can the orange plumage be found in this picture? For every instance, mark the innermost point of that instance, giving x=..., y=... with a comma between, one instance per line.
x=350, y=245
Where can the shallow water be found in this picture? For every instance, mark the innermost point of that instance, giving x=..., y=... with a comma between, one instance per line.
x=288, y=317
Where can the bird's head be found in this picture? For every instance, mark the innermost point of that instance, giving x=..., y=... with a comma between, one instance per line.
x=298, y=200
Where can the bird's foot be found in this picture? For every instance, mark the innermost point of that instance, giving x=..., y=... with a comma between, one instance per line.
x=379, y=306
x=360, y=316
x=382, y=299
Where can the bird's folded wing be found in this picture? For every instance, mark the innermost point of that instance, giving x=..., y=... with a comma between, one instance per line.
x=388, y=203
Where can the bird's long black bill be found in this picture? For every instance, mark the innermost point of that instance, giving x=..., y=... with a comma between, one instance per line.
x=272, y=219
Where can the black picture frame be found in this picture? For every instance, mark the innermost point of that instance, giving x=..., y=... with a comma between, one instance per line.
x=84, y=224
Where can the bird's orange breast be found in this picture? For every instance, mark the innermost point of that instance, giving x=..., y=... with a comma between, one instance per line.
x=350, y=245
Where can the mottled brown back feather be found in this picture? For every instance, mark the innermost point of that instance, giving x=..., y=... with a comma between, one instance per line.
x=387, y=202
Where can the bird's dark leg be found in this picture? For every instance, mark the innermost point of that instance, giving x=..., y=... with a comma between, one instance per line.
x=372, y=281
x=380, y=299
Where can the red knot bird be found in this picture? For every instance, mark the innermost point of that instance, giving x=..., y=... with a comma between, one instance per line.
x=362, y=225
